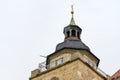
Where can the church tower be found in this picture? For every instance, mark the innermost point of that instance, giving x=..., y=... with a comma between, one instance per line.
x=72, y=59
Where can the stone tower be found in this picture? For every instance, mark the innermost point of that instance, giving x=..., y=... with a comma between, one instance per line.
x=72, y=59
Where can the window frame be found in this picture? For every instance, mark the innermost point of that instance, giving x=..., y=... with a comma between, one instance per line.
x=59, y=61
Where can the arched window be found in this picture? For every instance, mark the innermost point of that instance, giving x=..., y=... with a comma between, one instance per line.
x=68, y=33
x=78, y=34
x=73, y=33
x=54, y=78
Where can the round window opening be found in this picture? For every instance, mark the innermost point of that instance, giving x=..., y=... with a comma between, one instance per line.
x=55, y=78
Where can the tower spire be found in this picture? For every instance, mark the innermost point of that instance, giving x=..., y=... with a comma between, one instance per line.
x=72, y=22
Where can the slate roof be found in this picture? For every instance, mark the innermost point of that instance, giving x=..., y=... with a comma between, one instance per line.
x=75, y=44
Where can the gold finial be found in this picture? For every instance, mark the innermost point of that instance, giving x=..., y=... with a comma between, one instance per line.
x=72, y=11
x=72, y=22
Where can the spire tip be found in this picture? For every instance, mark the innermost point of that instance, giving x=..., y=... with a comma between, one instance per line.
x=72, y=22
x=72, y=11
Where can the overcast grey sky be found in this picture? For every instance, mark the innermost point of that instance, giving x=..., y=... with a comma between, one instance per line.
x=29, y=28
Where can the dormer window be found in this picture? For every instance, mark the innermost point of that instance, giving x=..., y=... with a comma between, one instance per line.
x=59, y=61
x=88, y=61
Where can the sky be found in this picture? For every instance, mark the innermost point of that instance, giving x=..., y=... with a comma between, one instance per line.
x=30, y=28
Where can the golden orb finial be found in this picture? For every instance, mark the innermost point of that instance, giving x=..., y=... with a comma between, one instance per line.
x=72, y=22
x=72, y=11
